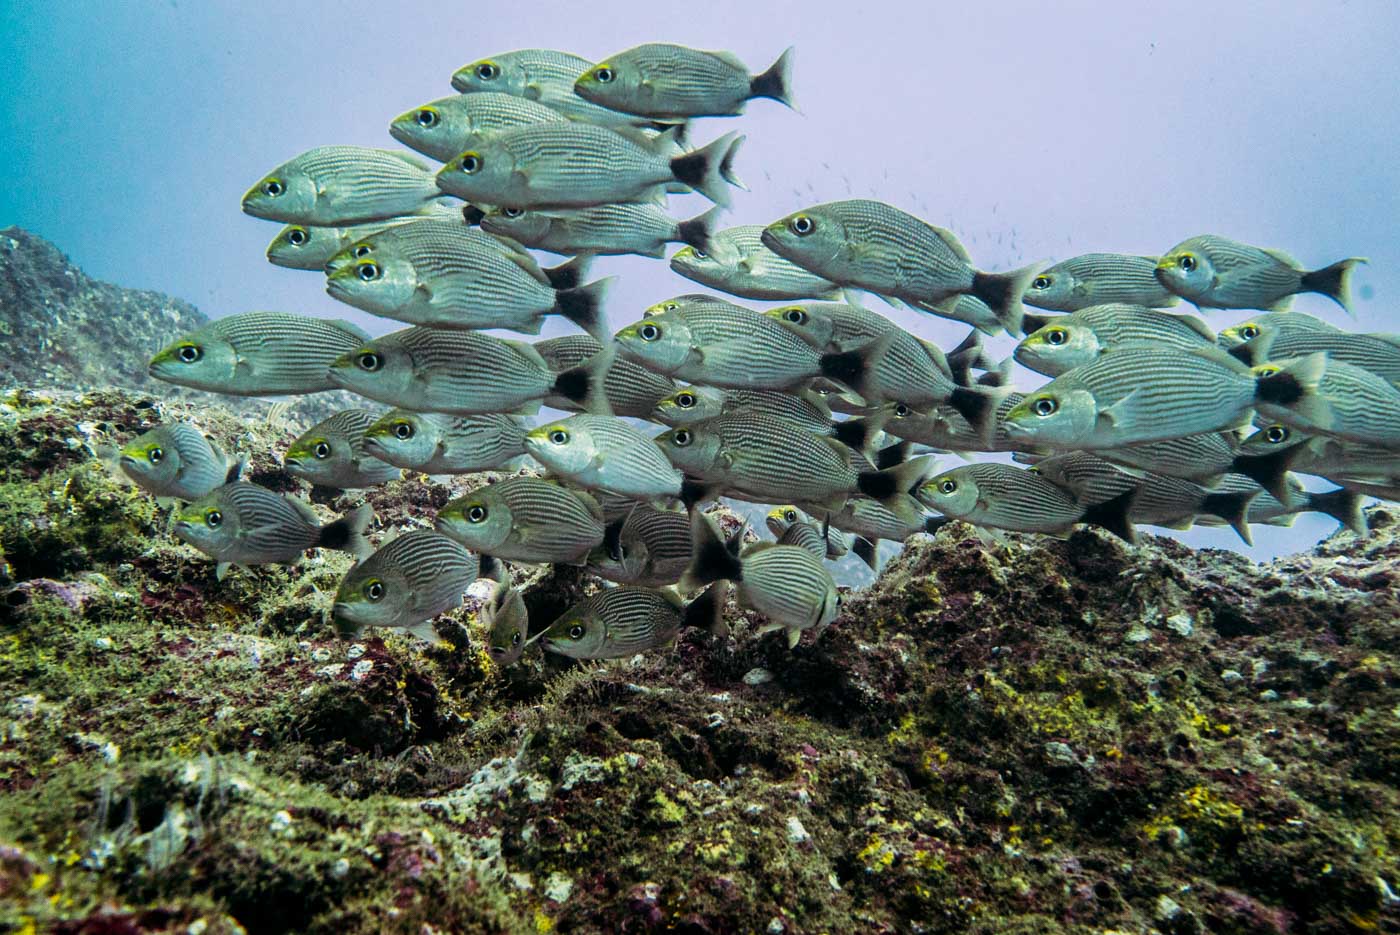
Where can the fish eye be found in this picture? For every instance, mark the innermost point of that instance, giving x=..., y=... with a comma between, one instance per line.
x=1249, y=332
x=1267, y=370
x=681, y=437
x=427, y=118
x=670, y=306
x=1040, y=282
x=1187, y=262
x=154, y=455
x=685, y=400
x=212, y=518
x=559, y=437
x=362, y=250
x=471, y=163
x=698, y=253
x=374, y=589
x=790, y=516
x=948, y=486
x=322, y=450
x=901, y=411
x=273, y=187
x=649, y=332
x=1056, y=336
x=297, y=236
x=1044, y=406
x=795, y=315
x=189, y=353
x=605, y=75
x=513, y=212
x=370, y=271
x=370, y=361
x=487, y=71
x=1276, y=434
x=476, y=513
x=576, y=631
x=802, y=225
x=515, y=639
x=403, y=430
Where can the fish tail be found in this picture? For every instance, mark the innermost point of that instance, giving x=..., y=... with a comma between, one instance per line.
x=934, y=523
x=867, y=551
x=1233, y=508
x=1294, y=386
x=568, y=275
x=978, y=405
x=707, y=169
x=235, y=469
x=1115, y=516
x=1255, y=351
x=855, y=368
x=347, y=534
x=1031, y=322
x=887, y=485
x=712, y=559
x=694, y=492
x=488, y=566
x=1334, y=282
x=584, y=307
x=584, y=384
x=1269, y=471
x=862, y=434
x=893, y=455
x=698, y=230
x=1344, y=506
x=472, y=215
x=776, y=82
x=998, y=376
x=1003, y=292
x=707, y=611
x=969, y=355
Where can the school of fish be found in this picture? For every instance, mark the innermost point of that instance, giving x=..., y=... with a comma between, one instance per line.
x=824, y=410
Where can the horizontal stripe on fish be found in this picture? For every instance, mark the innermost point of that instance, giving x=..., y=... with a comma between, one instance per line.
x=1097, y=279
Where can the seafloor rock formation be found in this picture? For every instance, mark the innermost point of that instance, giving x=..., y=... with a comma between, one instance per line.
x=1041, y=736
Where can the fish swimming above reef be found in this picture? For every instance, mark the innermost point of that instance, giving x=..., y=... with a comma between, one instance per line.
x=332, y=453
x=177, y=460
x=408, y=581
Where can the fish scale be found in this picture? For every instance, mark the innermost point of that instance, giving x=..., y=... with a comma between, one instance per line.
x=637, y=619
x=293, y=351
x=632, y=389
x=733, y=328
x=197, y=456
x=553, y=74
x=1193, y=457
x=270, y=524
x=438, y=569
x=694, y=78
x=781, y=581
x=1016, y=495
x=919, y=259
x=665, y=533
x=588, y=154
x=1369, y=352
x=770, y=276
x=1101, y=279
x=460, y=445
x=775, y=457
x=548, y=522
x=1119, y=323
x=1363, y=407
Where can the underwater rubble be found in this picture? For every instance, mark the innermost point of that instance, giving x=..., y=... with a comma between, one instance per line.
x=996, y=737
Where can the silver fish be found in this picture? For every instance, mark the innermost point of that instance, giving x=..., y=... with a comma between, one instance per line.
x=401, y=240
x=691, y=404
x=258, y=354
x=871, y=520
x=1269, y=322
x=632, y=390
x=462, y=373
x=336, y=185
x=507, y=624
x=244, y=524
x=647, y=547
x=1059, y=344
x=577, y=165
x=639, y=228
x=875, y=246
x=783, y=520
x=308, y=247
x=944, y=428
x=525, y=519
x=1099, y=279
x=176, y=460
x=332, y=453
x=736, y=261
x=787, y=584
x=603, y=452
x=1210, y=271
x=1331, y=458
x=437, y=443
x=543, y=75
x=619, y=622
x=1329, y=397
x=659, y=80
x=1378, y=353
x=1003, y=496
x=443, y=128
x=407, y=582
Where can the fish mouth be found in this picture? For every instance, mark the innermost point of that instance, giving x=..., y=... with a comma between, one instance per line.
x=128, y=461
x=1016, y=429
x=342, y=609
x=291, y=462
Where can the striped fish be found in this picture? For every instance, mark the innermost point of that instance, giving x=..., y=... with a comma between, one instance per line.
x=616, y=623
x=1342, y=504
x=443, y=128
x=1200, y=457
x=577, y=165
x=1099, y=279
x=615, y=506
x=691, y=404
x=1256, y=325
x=664, y=81
x=507, y=624
x=643, y=229
x=603, y=452
x=737, y=262
x=335, y=185
x=1378, y=353
x=648, y=547
x=781, y=520
x=875, y=246
x=1064, y=342
x=1147, y=394
x=443, y=278
x=258, y=354
x=1210, y=271
x=1003, y=496
x=787, y=584
x=420, y=233
x=543, y=75
x=1324, y=456
x=1346, y=402
x=407, y=582
x=437, y=443
x=332, y=453
x=869, y=520
x=632, y=389
x=944, y=428
x=462, y=373
x=176, y=460
x=244, y=524
x=306, y=246
x=525, y=519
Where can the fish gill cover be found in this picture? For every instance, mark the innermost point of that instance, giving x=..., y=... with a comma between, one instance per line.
x=1034, y=719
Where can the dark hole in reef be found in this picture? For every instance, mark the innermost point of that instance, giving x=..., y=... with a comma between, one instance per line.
x=16, y=598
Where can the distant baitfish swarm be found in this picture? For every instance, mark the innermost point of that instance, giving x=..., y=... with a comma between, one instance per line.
x=817, y=406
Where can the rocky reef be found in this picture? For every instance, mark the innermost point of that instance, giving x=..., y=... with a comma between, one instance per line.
x=1030, y=736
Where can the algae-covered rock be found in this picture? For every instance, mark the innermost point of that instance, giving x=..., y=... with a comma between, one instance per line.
x=1035, y=736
